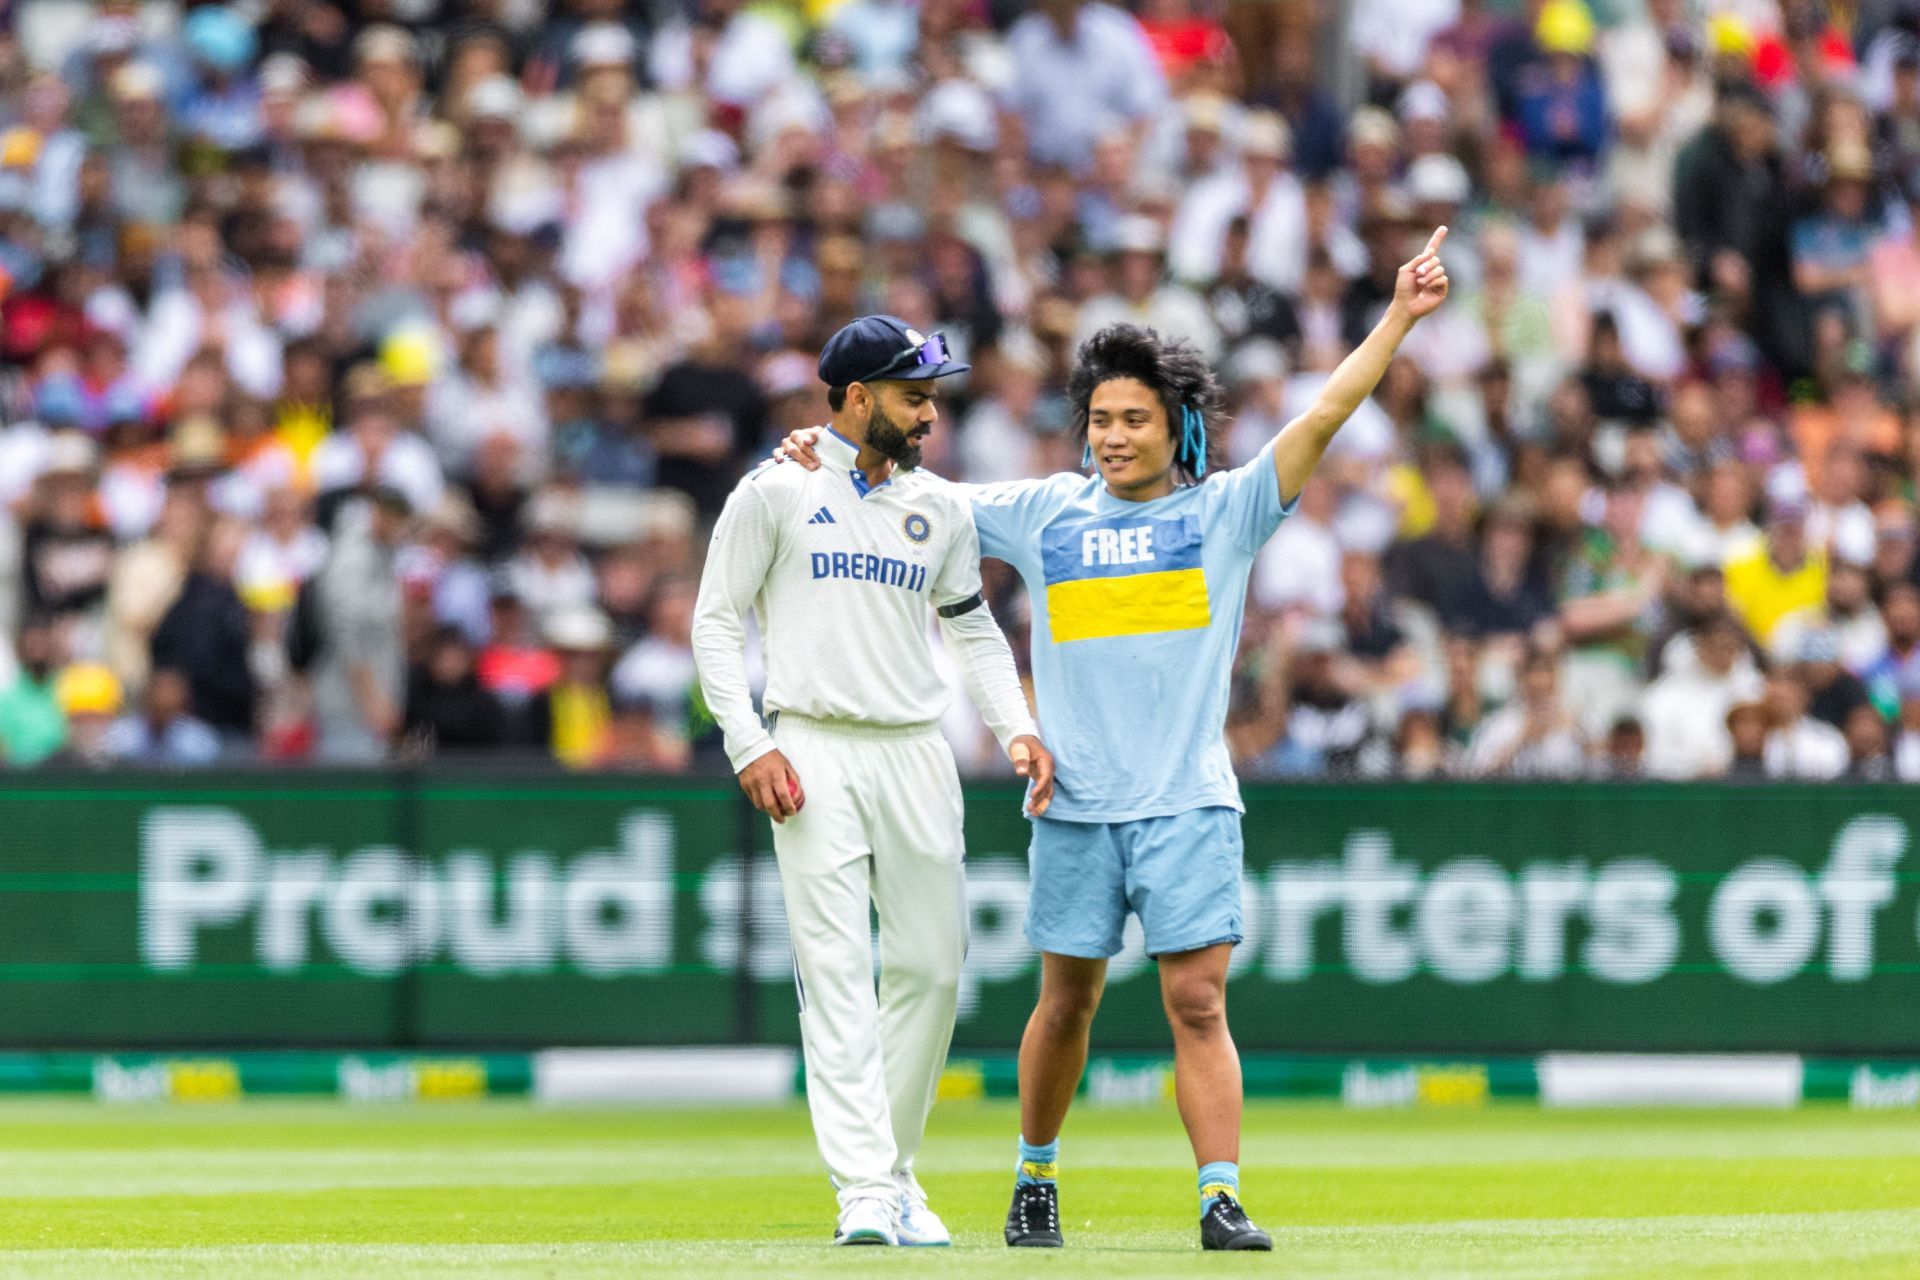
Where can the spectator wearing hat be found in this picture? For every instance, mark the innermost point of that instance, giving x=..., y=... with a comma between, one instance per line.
x=1562, y=111
x=1260, y=188
x=372, y=450
x=1188, y=141
x=33, y=725
x=66, y=556
x=164, y=732
x=146, y=181
x=1830, y=246
x=89, y=698
x=550, y=574
x=1143, y=295
x=1297, y=92
x=222, y=110
x=1783, y=572
x=1685, y=711
x=571, y=717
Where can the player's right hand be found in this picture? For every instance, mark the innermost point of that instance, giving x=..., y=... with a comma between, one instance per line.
x=773, y=786
x=798, y=447
x=1032, y=761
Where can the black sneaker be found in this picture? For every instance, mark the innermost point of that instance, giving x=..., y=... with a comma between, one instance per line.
x=1033, y=1220
x=1225, y=1226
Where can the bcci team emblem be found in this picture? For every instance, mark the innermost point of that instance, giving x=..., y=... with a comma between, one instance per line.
x=916, y=527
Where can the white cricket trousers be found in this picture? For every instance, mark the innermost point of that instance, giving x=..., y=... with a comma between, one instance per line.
x=881, y=823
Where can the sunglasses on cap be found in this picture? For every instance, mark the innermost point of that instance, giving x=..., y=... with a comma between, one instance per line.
x=929, y=354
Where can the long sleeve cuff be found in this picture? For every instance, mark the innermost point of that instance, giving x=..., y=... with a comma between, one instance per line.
x=751, y=748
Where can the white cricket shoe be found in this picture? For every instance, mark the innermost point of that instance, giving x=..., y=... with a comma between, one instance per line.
x=919, y=1225
x=868, y=1220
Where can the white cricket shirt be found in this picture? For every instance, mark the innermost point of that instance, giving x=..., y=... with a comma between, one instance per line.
x=841, y=577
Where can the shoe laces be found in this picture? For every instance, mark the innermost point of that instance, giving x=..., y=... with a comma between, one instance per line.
x=1034, y=1193
x=911, y=1194
x=1228, y=1213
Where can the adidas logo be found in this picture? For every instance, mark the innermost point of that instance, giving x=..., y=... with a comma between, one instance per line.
x=822, y=516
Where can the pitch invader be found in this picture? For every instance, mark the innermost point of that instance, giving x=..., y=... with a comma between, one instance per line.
x=841, y=567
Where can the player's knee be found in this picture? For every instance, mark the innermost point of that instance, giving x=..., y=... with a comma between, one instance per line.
x=1196, y=1007
x=929, y=974
x=1069, y=1008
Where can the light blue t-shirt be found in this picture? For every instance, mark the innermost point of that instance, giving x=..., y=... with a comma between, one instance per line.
x=1136, y=613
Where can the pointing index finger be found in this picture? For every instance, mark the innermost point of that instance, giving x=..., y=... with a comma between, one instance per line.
x=1439, y=235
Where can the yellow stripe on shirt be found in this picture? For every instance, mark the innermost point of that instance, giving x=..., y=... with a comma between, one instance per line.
x=1134, y=605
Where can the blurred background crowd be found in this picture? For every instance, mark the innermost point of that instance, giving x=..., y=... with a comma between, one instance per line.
x=371, y=372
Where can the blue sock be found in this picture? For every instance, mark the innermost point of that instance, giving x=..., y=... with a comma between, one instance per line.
x=1220, y=1176
x=1038, y=1164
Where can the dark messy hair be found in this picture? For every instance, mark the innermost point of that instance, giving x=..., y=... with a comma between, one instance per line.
x=1172, y=367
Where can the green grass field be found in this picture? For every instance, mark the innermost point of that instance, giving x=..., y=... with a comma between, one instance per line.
x=268, y=1190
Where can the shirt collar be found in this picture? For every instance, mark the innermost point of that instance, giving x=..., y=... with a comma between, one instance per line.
x=842, y=454
x=836, y=450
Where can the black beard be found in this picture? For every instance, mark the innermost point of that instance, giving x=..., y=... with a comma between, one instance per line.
x=886, y=438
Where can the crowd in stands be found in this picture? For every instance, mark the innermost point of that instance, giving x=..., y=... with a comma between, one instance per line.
x=372, y=371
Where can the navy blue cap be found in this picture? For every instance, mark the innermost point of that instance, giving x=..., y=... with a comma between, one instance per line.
x=884, y=348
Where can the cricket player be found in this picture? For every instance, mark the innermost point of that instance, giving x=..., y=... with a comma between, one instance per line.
x=1138, y=578
x=841, y=566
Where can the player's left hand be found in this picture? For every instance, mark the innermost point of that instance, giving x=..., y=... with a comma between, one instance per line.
x=1421, y=285
x=798, y=447
x=1032, y=761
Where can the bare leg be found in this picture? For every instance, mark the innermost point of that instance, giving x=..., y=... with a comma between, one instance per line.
x=1206, y=1066
x=1053, y=1052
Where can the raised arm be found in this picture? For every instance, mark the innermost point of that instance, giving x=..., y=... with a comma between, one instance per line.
x=1420, y=287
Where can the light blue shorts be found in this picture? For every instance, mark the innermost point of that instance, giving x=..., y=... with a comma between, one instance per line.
x=1179, y=873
